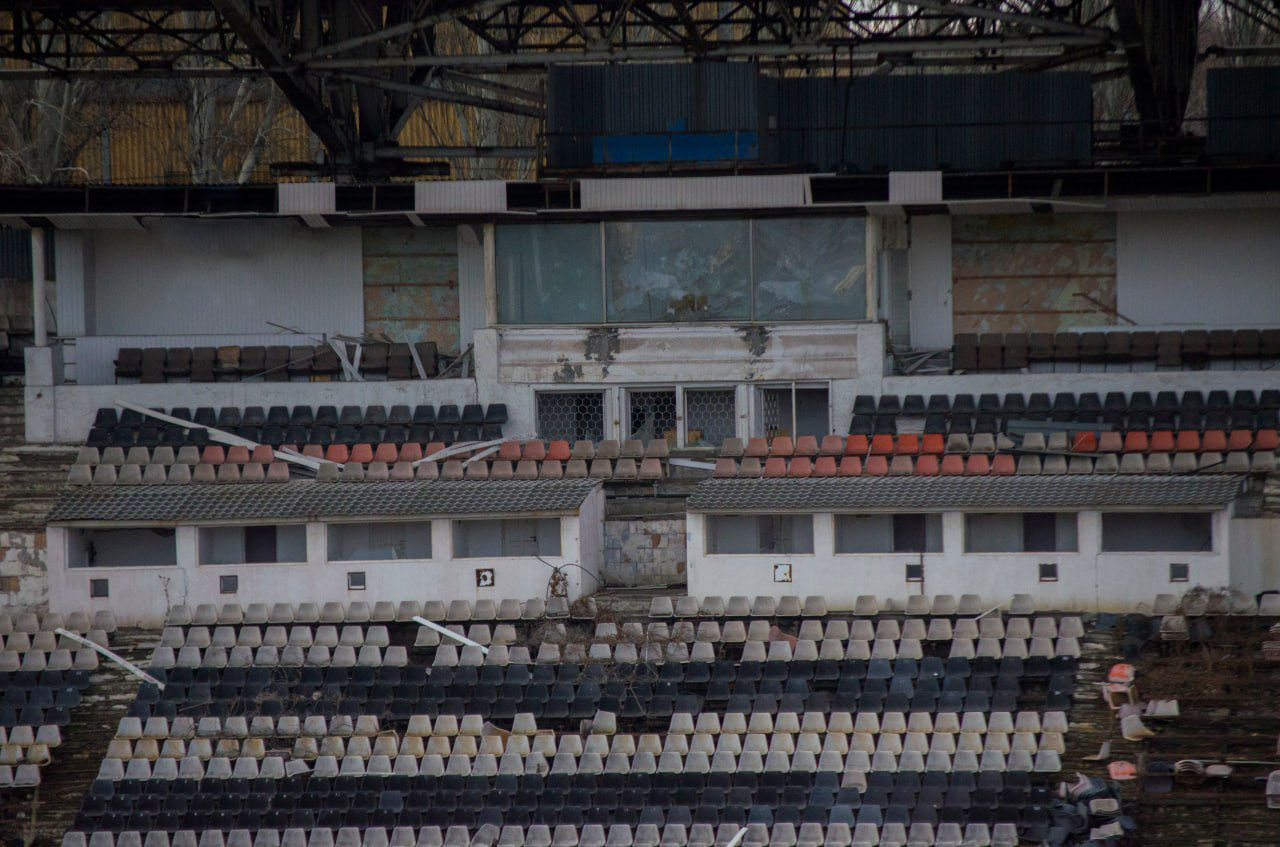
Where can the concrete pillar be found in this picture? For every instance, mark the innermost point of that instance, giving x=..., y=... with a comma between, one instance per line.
x=490, y=277
x=39, y=309
x=872, y=262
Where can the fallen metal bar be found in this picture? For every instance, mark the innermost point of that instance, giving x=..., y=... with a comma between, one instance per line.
x=220, y=436
x=461, y=447
x=692, y=463
x=115, y=657
x=450, y=633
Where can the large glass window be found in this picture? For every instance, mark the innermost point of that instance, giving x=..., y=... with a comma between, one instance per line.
x=511, y=537
x=760, y=534
x=108, y=548
x=903, y=533
x=233, y=545
x=362, y=542
x=549, y=274
x=775, y=269
x=1032, y=532
x=1157, y=532
x=810, y=269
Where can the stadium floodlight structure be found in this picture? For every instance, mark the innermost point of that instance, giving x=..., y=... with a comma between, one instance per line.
x=356, y=69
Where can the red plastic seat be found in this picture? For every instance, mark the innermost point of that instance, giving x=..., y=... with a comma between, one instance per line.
x=978, y=464
x=313, y=451
x=806, y=445
x=876, y=466
x=781, y=446
x=263, y=454
x=952, y=465
x=1136, y=442
x=882, y=445
x=850, y=466
x=1003, y=464
x=509, y=451
x=558, y=450
x=213, y=454
x=1239, y=439
x=758, y=447
x=339, y=454
x=824, y=466
x=855, y=445
x=1162, y=441
x=386, y=452
x=410, y=451
x=800, y=467
x=1266, y=439
x=534, y=451
x=237, y=455
x=934, y=443
x=1188, y=441
x=775, y=466
x=927, y=465
x=1084, y=442
x=1214, y=440
x=832, y=445
x=361, y=453
x=432, y=448
x=908, y=444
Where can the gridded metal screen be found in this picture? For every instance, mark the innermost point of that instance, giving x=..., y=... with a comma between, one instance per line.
x=653, y=415
x=710, y=415
x=775, y=411
x=571, y=415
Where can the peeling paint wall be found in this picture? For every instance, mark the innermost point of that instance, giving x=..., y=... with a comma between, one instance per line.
x=411, y=284
x=24, y=570
x=644, y=551
x=1033, y=273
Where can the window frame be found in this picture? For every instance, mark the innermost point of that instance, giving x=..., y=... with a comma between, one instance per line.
x=202, y=528
x=758, y=427
x=76, y=544
x=1214, y=541
x=708, y=534
x=967, y=550
x=941, y=534
x=430, y=524
x=559, y=535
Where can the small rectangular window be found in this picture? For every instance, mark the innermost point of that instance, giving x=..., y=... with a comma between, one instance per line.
x=653, y=415
x=228, y=583
x=711, y=416
x=571, y=415
x=98, y=588
x=1179, y=572
x=1048, y=571
x=112, y=548
x=1031, y=532
x=915, y=572
x=901, y=533
x=1157, y=532
x=268, y=544
x=512, y=537
x=386, y=540
x=355, y=580
x=759, y=534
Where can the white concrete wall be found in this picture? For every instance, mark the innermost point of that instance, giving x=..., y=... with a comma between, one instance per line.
x=929, y=275
x=142, y=595
x=1088, y=580
x=182, y=276
x=1199, y=268
x=1255, y=554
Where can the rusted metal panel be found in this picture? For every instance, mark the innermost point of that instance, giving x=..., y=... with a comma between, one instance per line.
x=411, y=284
x=1033, y=273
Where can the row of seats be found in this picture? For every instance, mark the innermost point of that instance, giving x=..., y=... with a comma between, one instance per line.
x=274, y=363
x=939, y=628
x=1000, y=464
x=360, y=612
x=781, y=834
x=1169, y=349
x=226, y=417
x=29, y=622
x=815, y=606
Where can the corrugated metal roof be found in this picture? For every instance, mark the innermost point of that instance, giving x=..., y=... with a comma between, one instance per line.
x=961, y=492
x=310, y=500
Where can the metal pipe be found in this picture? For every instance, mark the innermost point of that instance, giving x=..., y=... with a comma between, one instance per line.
x=39, y=310
x=450, y=633
x=115, y=657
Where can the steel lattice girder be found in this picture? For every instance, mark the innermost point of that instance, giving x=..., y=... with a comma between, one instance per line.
x=356, y=68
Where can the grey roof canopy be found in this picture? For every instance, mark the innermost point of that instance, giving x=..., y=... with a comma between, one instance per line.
x=917, y=493
x=306, y=499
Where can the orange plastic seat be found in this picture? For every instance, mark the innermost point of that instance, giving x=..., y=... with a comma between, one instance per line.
x=1136, y=442
x=237, y=454
x=432, y=448
x=1266, y=439
x=978, y=464
x=1188, y=441
x=882, y=445
x=876, y=466
x=361, y=453
x=1162, y=441
x=800, y=467
x=775, y=466
x=758, y=447
x=933, y=443
x=1214, y=440
x=213, y=454
x=1084, y=442
x=263, y=454
x=855, y=445
x=806, y=445
x=824, y=466
x=1003, y=464
x=781, y=446
x=534, y=451
x=558, y=450
x=1122, y=770
x=313, y=451
x=927, y=465
x=386, y=452
x=509, y=451
x=850, y=466
x=832, y=445
x=952, y=465
x=908, y=444
x=410, y=451
x=339, y=454
x=1239, y=439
